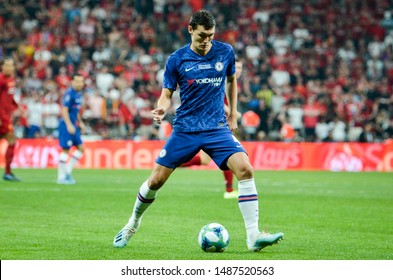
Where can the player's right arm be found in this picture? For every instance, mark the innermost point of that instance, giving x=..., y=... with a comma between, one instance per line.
x=66, y=117
x=163, y=104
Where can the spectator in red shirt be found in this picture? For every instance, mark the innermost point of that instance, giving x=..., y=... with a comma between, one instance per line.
x=311, y=112
x=8, y=106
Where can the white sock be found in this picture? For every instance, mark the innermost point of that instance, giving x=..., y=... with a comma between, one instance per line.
x=75, y=157
x=248, y=204
x=144, y=199
x=62, y=167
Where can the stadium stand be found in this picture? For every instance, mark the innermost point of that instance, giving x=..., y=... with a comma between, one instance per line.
x=331, y=60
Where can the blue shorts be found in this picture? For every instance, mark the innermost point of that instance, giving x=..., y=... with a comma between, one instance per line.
x=181, y=147
x=67, y=140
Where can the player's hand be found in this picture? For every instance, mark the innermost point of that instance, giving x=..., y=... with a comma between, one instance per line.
x=232, y=122
x=71, y=129
x=158, y=114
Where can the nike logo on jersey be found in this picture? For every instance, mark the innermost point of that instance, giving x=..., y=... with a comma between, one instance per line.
x=188, y=69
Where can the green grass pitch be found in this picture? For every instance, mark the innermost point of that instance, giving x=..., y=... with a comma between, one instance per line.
x=324, y=215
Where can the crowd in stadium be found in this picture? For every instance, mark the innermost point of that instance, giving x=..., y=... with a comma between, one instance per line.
x=318, y=70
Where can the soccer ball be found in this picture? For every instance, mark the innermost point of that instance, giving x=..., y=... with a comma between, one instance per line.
x=213, y=238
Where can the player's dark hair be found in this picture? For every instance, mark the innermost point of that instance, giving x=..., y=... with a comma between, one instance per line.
x=204, y=18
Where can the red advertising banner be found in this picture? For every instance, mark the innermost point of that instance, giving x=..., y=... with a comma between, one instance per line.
x=122, y=154
x=321, y=156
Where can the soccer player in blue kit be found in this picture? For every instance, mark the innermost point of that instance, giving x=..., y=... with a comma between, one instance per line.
x=69, y=130
x=201, y=69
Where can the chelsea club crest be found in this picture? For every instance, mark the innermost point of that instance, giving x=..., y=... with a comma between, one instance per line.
x=219, y=66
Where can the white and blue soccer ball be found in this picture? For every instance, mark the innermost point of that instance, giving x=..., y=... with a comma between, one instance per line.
x=213, y=237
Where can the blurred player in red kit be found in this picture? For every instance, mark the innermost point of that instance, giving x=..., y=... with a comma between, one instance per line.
x=7, y=107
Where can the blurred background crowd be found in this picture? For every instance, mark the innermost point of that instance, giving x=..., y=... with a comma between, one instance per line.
x=316, y=70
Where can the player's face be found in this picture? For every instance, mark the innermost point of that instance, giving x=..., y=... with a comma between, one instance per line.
x=78, y=82
x=8, y=67
x=201, y=38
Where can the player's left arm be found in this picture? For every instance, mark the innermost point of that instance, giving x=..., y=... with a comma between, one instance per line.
x=81, y=123
x=231, y=92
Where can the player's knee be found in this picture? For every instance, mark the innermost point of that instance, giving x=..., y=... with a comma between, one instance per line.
x=81, y=148
x=158, y=177
x=155, y=183
x=245, y=172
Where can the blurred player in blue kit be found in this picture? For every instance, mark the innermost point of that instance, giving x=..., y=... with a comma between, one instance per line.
x=70, y=127
x=202, y=70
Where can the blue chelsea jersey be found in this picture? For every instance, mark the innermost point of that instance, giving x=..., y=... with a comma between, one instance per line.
x=201, y=80
x=72, y=99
